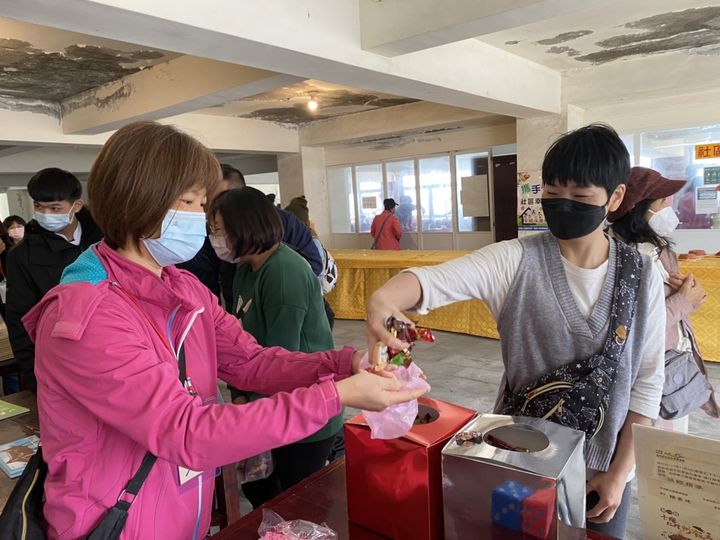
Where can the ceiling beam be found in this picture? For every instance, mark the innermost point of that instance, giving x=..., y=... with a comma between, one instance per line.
x=221, y=133
x=395, y=120
x=312, y=39
x=403, y=26
x=182, y=85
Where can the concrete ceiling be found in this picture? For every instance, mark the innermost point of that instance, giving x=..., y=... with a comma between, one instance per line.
x=42, y=64
x=601, y=35
x=288, y=105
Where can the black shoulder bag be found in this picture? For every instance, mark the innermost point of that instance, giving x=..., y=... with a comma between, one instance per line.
x=577, y=394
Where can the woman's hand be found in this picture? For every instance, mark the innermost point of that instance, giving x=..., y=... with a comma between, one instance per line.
x=400, y=293
x=693, y=291
x=610, y=487
x=675, y=281
x=378, y=312
x=372, y=392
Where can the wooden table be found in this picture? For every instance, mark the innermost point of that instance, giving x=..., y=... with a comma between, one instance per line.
x=14, y=428
x=363, y=271
x=320, y=498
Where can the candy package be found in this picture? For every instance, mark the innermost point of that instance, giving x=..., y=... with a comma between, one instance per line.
x=381, y=355
x=273, y=527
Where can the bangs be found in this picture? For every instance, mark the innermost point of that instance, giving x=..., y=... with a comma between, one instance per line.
x=593, y=156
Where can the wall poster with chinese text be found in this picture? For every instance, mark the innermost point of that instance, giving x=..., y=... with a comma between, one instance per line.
x=530, y=215
x=678, y=484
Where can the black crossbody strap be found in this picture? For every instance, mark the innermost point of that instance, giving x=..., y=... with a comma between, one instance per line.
x=629, y=266
x=127, y=497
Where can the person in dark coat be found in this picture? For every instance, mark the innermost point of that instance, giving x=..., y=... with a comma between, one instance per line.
x=296, y=235
x=61, y=229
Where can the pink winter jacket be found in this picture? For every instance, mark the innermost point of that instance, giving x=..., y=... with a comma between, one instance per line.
x=108, y=391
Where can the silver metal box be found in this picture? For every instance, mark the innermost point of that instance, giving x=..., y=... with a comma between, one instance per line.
x=507, y=477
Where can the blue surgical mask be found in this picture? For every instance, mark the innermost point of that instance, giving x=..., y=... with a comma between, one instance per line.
x=181, y=237
x=54, y=222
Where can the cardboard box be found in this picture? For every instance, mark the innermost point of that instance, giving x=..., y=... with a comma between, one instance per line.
x=394, y=487
x=507, y=477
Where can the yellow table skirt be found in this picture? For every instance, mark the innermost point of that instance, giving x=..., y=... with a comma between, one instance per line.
x=363, y=271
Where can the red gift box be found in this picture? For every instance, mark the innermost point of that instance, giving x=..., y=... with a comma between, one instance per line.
x=394, y=487
x=538, y=511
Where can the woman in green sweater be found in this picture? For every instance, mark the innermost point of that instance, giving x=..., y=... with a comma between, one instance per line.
x=277, y=297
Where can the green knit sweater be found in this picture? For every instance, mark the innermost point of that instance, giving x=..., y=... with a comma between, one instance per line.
x=281, y=305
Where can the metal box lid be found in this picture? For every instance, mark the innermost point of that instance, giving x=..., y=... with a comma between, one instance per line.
x=527, y=444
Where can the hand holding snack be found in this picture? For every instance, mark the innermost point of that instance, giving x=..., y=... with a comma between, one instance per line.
x=404, y=332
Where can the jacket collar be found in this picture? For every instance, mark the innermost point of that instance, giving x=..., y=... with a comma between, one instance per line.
x=166, y=292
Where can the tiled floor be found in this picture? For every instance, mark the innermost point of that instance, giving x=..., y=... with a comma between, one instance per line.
x=467, y=370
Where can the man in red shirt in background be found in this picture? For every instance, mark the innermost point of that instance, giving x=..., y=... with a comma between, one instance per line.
x=386, y=230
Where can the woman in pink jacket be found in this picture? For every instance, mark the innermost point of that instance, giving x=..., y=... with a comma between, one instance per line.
x=110, y=343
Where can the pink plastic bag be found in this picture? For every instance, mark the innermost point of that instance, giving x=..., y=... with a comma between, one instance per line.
x=396, y=420
x=274, y=528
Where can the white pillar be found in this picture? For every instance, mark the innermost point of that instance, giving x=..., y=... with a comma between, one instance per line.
x=304, y=174
x=535, y=135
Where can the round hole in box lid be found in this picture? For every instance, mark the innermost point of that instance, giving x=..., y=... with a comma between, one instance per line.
x=425, y=415
x=517, y=438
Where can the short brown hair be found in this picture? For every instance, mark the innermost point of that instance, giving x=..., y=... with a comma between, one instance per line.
x=251, y=221
x=138, y=175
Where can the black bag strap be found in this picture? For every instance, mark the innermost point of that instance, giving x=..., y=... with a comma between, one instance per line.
x=628, y=266
x=380, y=231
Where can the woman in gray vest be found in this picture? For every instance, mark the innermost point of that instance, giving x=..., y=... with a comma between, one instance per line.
x=551, y=295
x=646, y=219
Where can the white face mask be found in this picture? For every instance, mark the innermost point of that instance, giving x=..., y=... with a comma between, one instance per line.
x=55, y=222
x=221, y=250
x=664, y=222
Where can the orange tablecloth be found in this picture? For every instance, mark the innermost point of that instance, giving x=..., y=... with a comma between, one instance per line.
x=706, y=320
x=362, y=271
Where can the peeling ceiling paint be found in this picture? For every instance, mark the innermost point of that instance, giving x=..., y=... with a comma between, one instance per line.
x=601, y=35
x=30, y=73
x=41, y=66
x=289, y=105
x=564, y=37
x=687, y=30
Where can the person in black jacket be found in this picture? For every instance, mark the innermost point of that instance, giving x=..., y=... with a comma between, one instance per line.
x=61, y=230
x=296, y=235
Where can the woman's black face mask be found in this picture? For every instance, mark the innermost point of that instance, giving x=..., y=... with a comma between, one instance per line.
x=568, y=219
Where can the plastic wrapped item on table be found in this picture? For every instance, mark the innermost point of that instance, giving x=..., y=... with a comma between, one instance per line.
x=273, y=527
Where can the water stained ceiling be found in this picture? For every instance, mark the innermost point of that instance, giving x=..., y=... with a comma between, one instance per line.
x=288, y=105
x=40, y=66
x=603, y=34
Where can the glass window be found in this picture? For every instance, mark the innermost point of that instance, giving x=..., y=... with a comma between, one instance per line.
x=435, y=194
x=629, y=141
x=401, y=187
x=472, y=192
x=672, y=153
x=370, y=194
x=342, y=200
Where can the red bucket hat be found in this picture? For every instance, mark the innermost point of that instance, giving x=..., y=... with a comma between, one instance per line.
x=644, y=184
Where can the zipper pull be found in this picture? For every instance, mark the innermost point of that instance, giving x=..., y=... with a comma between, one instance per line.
x=188, y=385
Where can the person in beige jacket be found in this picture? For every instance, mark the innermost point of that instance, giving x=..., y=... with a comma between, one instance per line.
x=646, y=220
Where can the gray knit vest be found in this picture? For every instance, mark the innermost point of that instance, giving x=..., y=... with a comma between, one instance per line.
x=541, y=328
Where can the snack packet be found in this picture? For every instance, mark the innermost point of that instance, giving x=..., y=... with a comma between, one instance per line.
x=273, y=527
